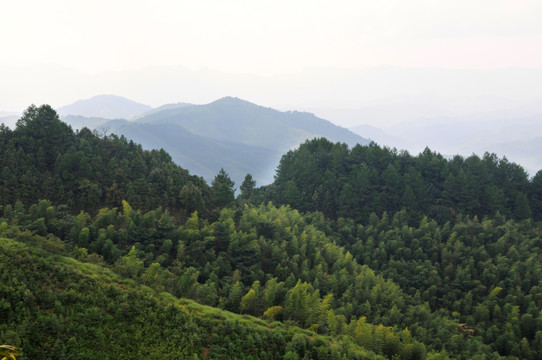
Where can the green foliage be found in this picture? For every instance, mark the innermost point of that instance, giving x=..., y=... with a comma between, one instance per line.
x=327, y=177
x=273, y=312
x=129, y=265
x=485, y=274
x=74, y=310
x=393, y=255
x=44, y=158
x=261, y=260
x=247, y=187
x=222, y=190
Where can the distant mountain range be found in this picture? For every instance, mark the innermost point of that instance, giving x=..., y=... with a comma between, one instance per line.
x=247, y=138
x=237, y=135
x=162, y=108
x=233, y=119
x=104, y=106
x=519, y=139
x=379, y=136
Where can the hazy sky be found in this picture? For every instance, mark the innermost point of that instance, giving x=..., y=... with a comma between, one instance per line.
x=270, y=37
x=377, y=62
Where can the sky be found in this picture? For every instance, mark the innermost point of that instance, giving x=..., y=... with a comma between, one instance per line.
x=270, y=37
x=260, y=38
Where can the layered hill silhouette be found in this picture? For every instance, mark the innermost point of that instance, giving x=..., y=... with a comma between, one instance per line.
x=229, y=133
x=104, y=106
x=199, y=154
x=74, y=304
x=233, y=119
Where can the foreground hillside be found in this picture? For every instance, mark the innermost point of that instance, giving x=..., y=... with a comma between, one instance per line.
x=223, y=264
x=56, y=307
x=470, y=290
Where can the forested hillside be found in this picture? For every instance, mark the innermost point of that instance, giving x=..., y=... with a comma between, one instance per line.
x=53, y=306
x=43, y=158
x=215, y=264
x=359, y=253
x=342, y=182
x=458, y=235
x=485, y=274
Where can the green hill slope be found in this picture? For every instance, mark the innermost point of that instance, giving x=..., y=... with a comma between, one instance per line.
x=342, y=182
x=43, y=158
x=55, y=307
x=271, y=264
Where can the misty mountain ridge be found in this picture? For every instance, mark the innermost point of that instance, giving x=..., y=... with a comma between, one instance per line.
x=104, y=106
x=505, y=130
x=162, y=108
x=233, y=119
x=78, y=122
x=378, y=135
x=517, y=138
x=398, y=109
x=229, y=133
x=198, y=154
x=447, y=91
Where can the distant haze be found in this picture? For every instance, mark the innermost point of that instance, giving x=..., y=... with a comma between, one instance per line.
x=406, y=108
x=378, y=96
x=345, y=54
x=380, y=63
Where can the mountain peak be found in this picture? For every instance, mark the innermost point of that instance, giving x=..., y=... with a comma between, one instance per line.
x=233, y=119
x=230, y=100
x=104, y=106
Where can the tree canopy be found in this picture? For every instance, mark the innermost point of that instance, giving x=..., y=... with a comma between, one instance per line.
x=362, y=253
x=353, y=183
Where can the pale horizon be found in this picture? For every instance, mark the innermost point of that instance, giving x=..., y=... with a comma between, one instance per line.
x=63, y=43
x=388, y=64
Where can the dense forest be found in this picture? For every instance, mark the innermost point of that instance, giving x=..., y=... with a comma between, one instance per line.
x=339, y=182
x=359, y=253
x=56, y=307
x=44, y=159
